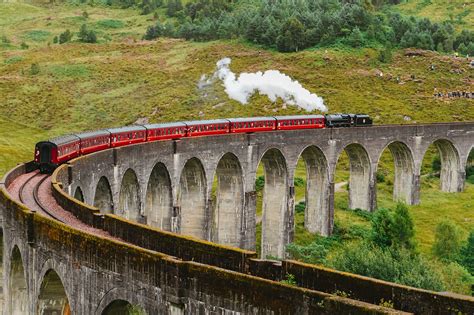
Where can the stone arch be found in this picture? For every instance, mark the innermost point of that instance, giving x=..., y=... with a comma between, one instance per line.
x=52, y=298
x=229, y=204
x=78, y=194
x=404, y=175
x=192, y=199
x=103, y=196
x=359, y=178
x=129, y=198
x=122, y=307
x=159, y=201
x=317, y=216
x=469, y=165
x=18, y=297
x=275, y=204
x=450, y=179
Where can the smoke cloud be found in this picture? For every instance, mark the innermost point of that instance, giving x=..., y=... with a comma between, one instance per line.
x=271, y=83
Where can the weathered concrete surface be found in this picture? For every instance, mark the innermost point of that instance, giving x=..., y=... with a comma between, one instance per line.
x=52, y=268
x=179, y=197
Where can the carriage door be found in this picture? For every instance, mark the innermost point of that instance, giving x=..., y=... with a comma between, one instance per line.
x=45, y=153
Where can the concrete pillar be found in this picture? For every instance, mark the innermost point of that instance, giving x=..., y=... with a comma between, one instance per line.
x=415, y=192
x=330, y=202
x=159, y=201
x=361, y=185
x=249, y=221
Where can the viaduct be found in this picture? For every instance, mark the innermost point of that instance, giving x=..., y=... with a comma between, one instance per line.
x=141, y=227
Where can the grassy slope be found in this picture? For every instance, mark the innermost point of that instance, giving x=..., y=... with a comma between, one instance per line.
x=460, y=12
x=84, y=86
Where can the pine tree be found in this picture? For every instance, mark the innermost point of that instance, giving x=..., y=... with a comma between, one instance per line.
x=403, y=228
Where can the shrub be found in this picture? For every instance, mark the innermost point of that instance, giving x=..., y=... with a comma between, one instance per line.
x=382, y=223
x=290, y=279
x=259, y=183
x=300, y=207
x=24, y=45
x=154, y=31
x=380, y=177
x=467, y=253
x=65, y=37
x=385, y=55
x=447, y=245
x=87, y=36
x=299, y=182
x=402, y=227
x=390, y=264
x=315, y=252
x=436, y=164
x=113, y=24
x=34, y=69
x=85, y=14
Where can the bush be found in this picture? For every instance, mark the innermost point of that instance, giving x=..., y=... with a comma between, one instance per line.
x=380, y=177
x=467, y=254
x=87, y=36
x=385, y=55
x=34, y=69
x=300, y=207
x=436, y=164
x=259, y=183
x=390, y=264
x=65, y=37
x=24, y=45
x=447, y=245
x=403, y=228
x=315, y=252
x=153, y=32
x=299, y=182
x=382, y=224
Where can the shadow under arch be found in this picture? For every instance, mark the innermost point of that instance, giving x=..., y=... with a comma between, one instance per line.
x=52, y=297
x=122, y=307
x=18, y=297
x=275, y=204
x=450, y=180
x=404, y=174
x=159, y=201
x=317, y=217
x=359, y=176
x=78, y=194
x=103, y=196
x=129, y=198
x=192, y=199
x=229, y=203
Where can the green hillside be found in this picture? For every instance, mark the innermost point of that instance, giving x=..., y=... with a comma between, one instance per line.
x=49, y=89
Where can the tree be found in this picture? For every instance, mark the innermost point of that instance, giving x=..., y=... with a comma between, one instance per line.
x=291, y=36
x=447, y=245
x=356, y=38
x=173, y=7
x=467, y=254
x=402, y=227
x=382, y=225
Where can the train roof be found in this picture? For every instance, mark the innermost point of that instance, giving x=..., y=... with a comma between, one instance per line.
x=127, y=129
x=299, y=117
x=165, y=125
x=93, y=134
x=206, y=122
x=247, y=119
x=64, y=139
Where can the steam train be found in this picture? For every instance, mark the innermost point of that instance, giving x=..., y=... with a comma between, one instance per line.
x=51, y=153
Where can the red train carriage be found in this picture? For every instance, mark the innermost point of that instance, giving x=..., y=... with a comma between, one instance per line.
x=127, y=135
x=49, y=154
x=94, y=141
x=207, y=127
x=165, y=131
x=300, y=122
x=252, y=124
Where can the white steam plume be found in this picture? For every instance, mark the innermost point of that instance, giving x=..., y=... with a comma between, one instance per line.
x=271, y=83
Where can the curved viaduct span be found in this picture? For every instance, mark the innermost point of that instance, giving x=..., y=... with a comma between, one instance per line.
x=91, y=257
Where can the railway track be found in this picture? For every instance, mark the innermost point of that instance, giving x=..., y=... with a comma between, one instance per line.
x=24, y=195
